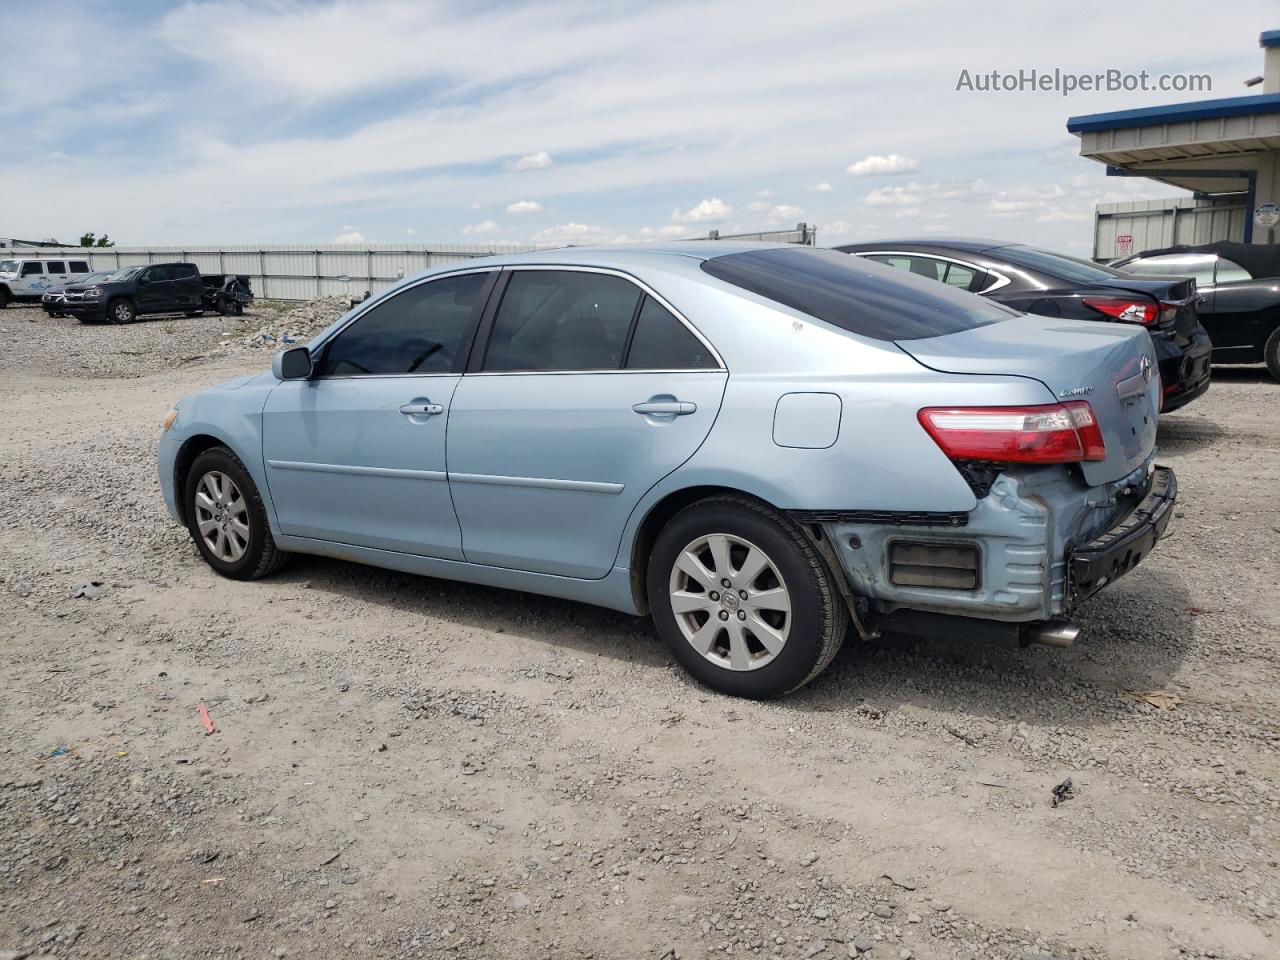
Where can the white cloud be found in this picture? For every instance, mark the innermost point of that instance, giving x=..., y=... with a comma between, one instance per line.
x=822, y=187
x=755, y=206
x=908, y=196
x=835, y=230
x=567, y=233
x=350, y=236
x=765, y=194
x=525, y=206
x=534, y=161
x=409, y=231
x=888, y=165
x=713, y=210
x=785, y=212
x=485, y=226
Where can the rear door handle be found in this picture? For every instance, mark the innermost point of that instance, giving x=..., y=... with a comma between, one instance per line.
x=676, y=408
x=422, y=409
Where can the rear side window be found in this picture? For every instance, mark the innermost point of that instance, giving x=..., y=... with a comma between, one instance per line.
x=422, y=330
x=562, y=320
x=57, y=266
x=661, y=342
x=79, y=266
x=1055, y=264
x=1230, y=272
x=183, y=271
x=31, y=269
x=847, y=292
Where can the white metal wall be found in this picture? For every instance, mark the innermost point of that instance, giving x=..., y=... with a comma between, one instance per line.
x=1163, y=223
x=284, y=272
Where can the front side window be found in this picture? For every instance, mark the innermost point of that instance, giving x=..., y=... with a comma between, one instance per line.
x=562, y=320
x=661, y=342
x=32, y=269
x=421, y=330
x=79, y=266
x=1230, y=272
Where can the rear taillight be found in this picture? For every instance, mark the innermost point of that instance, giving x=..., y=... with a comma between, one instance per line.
x=1052, y=433
x=1144, y=312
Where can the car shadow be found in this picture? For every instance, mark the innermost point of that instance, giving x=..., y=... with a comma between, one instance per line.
x=1177, y=434
x=1135, y=635
x=1244, y=373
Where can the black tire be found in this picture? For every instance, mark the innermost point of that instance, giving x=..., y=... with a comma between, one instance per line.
x=817, y=620
x=5, y=296
x=121, y=311
x=195, y=313
x=1271, y=353
x=261, y=555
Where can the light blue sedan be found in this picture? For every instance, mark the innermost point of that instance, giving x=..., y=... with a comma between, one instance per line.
x=760, y=445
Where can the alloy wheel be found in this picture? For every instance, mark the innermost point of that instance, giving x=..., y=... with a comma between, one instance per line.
x=730, y=602
x=222, y=516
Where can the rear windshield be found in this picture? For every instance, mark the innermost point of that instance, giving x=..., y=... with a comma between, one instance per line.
x=851, y=293
x=1055, y=264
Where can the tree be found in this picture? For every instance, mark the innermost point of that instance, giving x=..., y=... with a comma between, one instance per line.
x=92, y=240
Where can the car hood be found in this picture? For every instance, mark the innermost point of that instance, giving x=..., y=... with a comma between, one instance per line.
x=1077, y=360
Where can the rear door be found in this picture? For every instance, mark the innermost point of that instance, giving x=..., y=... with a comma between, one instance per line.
x=184, y=287
x=56, y=273
x=589, y=391
x=356, y=454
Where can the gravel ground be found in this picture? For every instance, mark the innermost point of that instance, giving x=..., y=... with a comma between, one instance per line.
x=405, y=767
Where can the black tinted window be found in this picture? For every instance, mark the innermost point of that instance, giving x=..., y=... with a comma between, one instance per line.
x=183, y=271
x=850, y=293
x=562, y=320
x=662, y=342
x=421, y=330
x=79, y=266
x=1055, y=264
x=31, y=268
x=56, y=266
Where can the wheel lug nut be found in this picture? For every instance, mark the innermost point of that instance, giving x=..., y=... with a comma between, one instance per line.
x=742, y=594
x=742, y=614
x=724, y=583
x=713, y=595
x=724, y=614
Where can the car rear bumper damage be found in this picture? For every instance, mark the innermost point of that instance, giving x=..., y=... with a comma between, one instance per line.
x=1039, y=543
x=1184, y=369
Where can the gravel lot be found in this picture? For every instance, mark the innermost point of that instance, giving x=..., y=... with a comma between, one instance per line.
x=406, y=767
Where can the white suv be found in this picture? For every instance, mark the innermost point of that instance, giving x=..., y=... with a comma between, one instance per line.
x=26, y=278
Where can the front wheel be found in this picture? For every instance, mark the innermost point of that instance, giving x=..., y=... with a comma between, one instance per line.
x=4, y=297
x=1271, y=353
x=742, y=598
x=227, y=518
x=121, y=312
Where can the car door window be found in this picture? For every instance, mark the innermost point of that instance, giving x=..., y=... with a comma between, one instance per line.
x=960, y=276
x=562, y=320
x=57, y=266
x=420, y=330
x=927, y=267
x=1229, y=271
x=32, y=269
x=662, y=342
x=79, y=266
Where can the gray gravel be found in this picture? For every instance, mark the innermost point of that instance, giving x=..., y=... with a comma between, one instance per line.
x=406, y=767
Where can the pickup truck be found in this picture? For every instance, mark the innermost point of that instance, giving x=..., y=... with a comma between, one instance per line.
x=137, y=291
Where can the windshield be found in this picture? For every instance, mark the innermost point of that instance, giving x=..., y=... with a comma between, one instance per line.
x=1055, y=264
x=8, y=266
x=864, y=298
x=119, y=275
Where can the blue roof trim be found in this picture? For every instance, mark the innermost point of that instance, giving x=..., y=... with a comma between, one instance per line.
x=1269, y=38
x=1176, y=113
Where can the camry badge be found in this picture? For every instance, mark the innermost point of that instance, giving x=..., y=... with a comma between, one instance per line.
x=1076, y=392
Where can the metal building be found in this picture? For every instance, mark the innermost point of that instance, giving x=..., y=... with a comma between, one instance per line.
x=1226, y=152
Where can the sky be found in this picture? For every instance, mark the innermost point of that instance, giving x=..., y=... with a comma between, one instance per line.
x=392, y=121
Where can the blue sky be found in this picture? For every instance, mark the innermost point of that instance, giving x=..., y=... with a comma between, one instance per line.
x=394, y=121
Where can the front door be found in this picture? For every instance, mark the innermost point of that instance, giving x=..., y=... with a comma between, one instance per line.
x=356, y=453
x=589, y=392
x=152, y=290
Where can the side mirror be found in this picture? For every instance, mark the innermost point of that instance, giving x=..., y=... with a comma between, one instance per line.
x=143, y=281
x=292, y=364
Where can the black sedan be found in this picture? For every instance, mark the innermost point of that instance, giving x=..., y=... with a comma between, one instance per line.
x=1240, y=284
x=1055, y=285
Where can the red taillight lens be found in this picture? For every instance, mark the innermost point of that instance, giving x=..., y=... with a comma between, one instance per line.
x=1052, y=433
x=1144, y=312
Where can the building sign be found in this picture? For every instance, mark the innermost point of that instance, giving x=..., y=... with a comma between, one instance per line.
x=1124, y=244
x=1267, y=215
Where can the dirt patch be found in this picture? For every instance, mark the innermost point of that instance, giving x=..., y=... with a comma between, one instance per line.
x=406, y=767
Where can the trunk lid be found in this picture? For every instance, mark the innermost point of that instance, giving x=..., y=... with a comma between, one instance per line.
x=1076, y=360
x=1179, y=292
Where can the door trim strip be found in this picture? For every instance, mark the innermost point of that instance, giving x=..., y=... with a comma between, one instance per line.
x=547, y=483
x=358, y=471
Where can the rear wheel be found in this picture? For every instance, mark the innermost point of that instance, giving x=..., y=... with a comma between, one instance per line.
x=742, y=599
x=227, y=518
x=4, y=297
x=121, y=311
x=1271, y=353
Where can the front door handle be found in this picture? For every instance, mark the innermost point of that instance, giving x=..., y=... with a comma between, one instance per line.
x=422, y=409
x=670, y=408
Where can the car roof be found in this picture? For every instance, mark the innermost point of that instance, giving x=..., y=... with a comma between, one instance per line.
x=973, y=244
x=607, y=254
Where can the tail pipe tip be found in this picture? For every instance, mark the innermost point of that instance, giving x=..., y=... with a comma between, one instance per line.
x=1053, y=633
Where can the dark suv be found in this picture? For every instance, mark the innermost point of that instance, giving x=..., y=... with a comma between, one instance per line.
x=135, y=292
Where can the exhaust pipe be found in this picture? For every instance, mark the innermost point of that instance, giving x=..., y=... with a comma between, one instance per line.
x=1054, y=633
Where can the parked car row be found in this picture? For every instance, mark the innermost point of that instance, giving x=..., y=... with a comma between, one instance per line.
x=68, y=288
x=763, y=446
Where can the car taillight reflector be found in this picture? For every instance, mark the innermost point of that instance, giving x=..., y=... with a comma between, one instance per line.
x=1144, y=312
x=1052, y=433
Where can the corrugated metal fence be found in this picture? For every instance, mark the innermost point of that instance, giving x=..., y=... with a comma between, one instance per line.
x=292, y=272
x=1121, y=229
